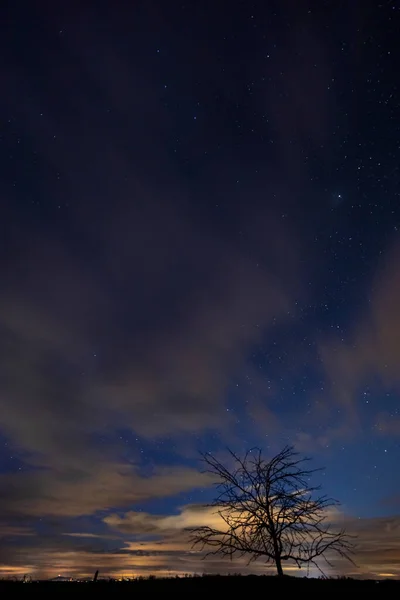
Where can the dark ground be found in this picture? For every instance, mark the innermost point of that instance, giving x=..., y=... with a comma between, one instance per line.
x=208, y=585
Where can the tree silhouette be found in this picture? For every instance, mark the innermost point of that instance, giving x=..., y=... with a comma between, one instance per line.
x=270, y=511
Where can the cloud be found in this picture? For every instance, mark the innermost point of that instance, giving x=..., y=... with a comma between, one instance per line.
x=368, y=358
x=81, y=359
x=124, y=307
x=76, y=492
x=377, y=546
x=139, y=543
x=148, y=340
x=376, y=540
x=9, y=531
x=132, y=312
x=139, y=523
x=96, y=536
x=130, y=296
x=387, y=424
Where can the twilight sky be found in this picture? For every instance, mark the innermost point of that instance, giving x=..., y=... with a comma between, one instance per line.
x=200, y=248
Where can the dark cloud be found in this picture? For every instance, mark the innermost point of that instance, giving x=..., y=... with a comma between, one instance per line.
x=73, y=492
x=125, y=305
x=132, y=309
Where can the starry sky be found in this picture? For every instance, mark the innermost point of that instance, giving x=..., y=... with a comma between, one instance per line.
x=199, y=249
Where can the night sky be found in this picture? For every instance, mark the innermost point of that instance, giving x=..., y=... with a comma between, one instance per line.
x=200, y=249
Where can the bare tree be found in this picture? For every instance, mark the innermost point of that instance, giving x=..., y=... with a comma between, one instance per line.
x=269, y=510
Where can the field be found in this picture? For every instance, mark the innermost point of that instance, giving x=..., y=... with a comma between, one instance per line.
x=208, y=585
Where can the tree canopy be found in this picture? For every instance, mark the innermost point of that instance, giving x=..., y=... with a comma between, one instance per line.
x=269, y=510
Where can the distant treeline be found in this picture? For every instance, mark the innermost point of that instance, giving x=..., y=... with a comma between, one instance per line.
x=249, y=583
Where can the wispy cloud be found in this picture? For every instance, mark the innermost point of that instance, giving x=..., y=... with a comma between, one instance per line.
x=366, y=359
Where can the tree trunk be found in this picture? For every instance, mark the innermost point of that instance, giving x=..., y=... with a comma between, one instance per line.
x=278, y=563
x=277, y=553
